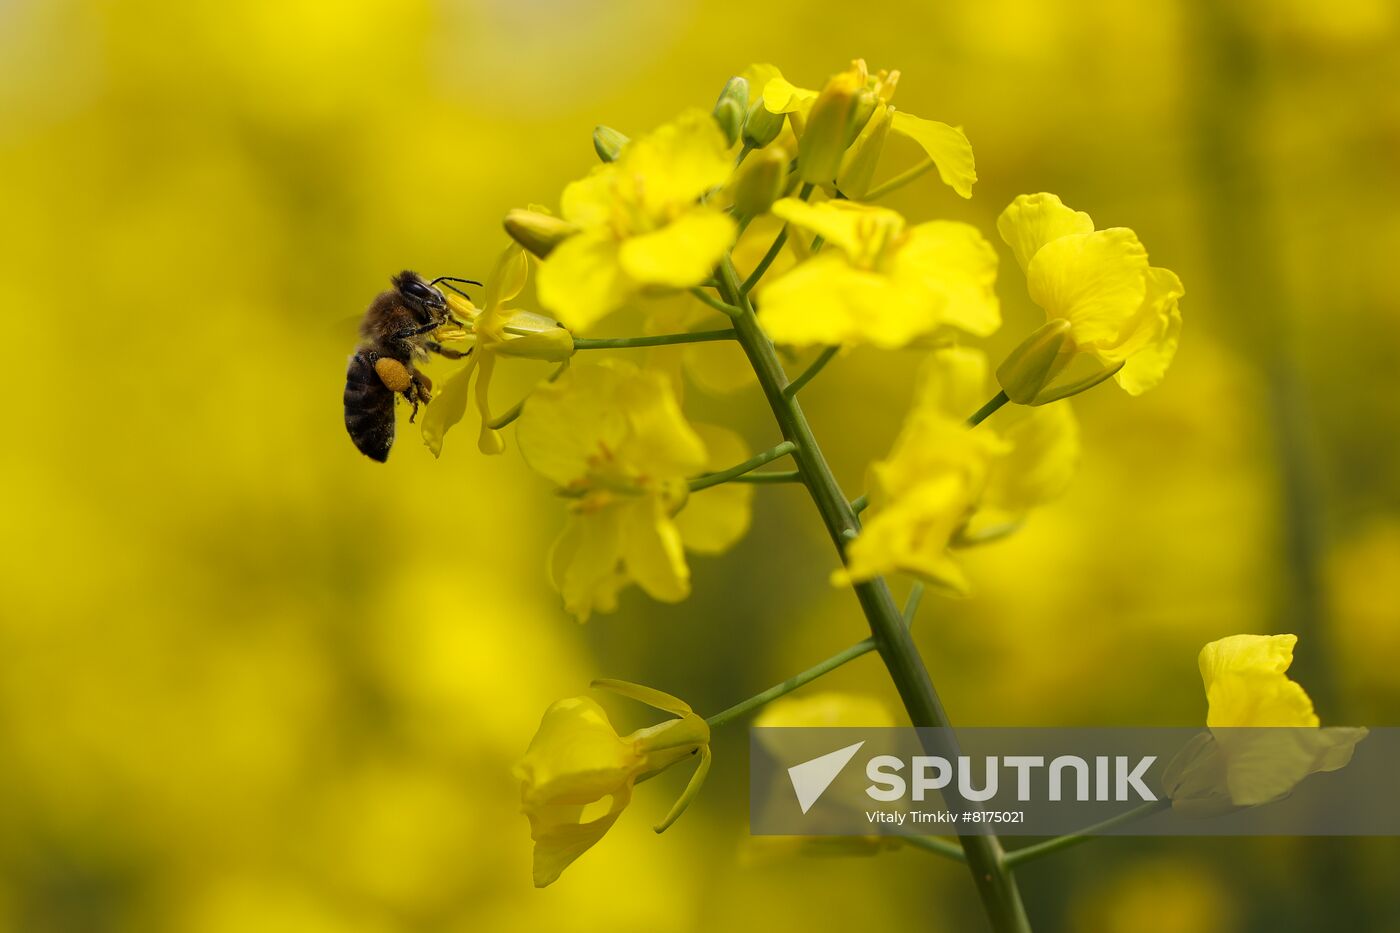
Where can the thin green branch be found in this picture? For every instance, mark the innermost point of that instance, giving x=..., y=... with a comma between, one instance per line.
x=899, y=181
x=776, y=476
x=911, y=605
x=792, y=683
x=811, y=372
x=986, y=411
x=1026, y=853
x=656, y=340
x=766, y=261
x=706, y=480
x=726, y=309
x=860, y=503
x=773, y=251
x=938, y=845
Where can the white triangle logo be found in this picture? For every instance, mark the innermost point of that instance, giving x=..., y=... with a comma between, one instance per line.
x=811, y=778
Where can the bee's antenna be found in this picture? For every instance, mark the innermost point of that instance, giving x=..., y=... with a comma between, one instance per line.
x=453, y=278
x=457, y=290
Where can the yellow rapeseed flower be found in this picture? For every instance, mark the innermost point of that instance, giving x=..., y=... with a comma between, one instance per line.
x=495, y=329
x=861, y=101
x=615, y=441
x=1264, y=735
x=879, y=281
x=577, y=775
x=641, y=221
x=1116, y=308
x=945, y=485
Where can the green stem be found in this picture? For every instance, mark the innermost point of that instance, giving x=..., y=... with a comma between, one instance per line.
x=792, y=683
x=986, y=411
x=986, y=861
x=898, y=181
x=706, y=480
x=766, y=261
x=860, y=503
x=713, y=302
x=911, y=605
x=1026, y=853
x=658, y=340
x=945, y=847
x=811, y=372
x=776, y=476
x=773, y=250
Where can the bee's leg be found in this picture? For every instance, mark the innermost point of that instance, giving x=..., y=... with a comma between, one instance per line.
x=416, y=331
x=448, y=352
x=412, y=395
x=395, y=375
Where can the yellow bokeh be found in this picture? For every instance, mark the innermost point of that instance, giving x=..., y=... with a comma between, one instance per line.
x=250, y=680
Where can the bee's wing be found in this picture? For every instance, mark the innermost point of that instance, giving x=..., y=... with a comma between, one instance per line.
x=346, y=330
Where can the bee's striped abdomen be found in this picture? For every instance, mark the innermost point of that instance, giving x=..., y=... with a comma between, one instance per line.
x=369, y=409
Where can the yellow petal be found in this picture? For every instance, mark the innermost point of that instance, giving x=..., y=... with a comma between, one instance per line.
x=946, y=145
x=953, y=382
x=681, y=254
x=826, y=301
x=1268, y=654
x=582, y=280
x=660, y=442
x=1097, y=281
x=448, y=406
x=563, y=832
x=652, y=551
x=678, y=162
x=956, y=263
x=1263, y=765
x=589, y=202
x=575, y=757
x=859, y=230
x=508, y=277
x=1255, y=698
x=1043, y=459
x=714, y=519
x=569, y=423
x=1032, y=220
x=781, y=96
x=758, y=75
x=584, y=562
x=912, y=536
x=1150, y=350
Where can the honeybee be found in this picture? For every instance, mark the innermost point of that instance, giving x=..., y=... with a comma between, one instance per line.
x=396, y=333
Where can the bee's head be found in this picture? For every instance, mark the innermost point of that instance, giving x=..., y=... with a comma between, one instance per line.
x=422, y=299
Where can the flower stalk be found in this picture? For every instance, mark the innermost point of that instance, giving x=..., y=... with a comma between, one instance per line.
x=985, y=857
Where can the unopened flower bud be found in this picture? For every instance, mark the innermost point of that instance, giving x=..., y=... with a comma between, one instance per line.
x=858, y=167
x=826, y=136
x=1028, y=369
x=608, y=143
x=538, y=232
x=730, y=108
x=761, y=126
x=760, y=181
x=536, y=337
x=864, y=108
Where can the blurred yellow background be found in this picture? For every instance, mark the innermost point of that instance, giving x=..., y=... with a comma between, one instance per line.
x=250, y=680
